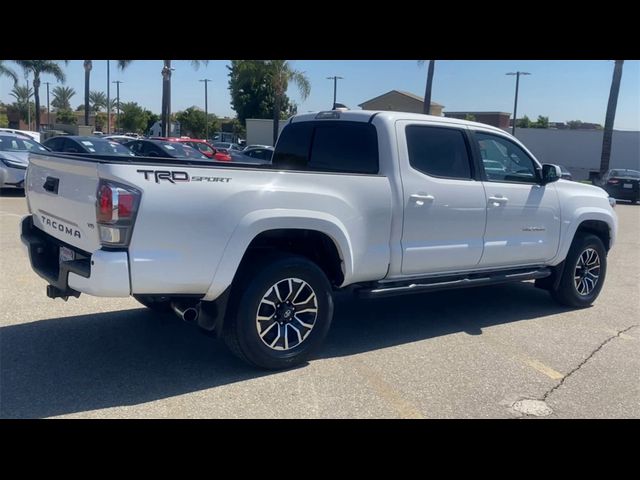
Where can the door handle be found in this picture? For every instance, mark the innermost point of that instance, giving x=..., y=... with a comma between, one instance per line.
x=498, y=201
x=420, y=199
x=419, y=196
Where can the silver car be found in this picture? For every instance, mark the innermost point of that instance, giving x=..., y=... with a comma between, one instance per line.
x=14, y=158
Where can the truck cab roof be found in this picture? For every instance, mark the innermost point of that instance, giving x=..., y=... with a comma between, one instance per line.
x=386, y=116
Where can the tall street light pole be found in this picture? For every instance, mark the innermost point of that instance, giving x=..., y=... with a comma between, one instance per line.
x=108, y=100
x=515, y=103
x=48, y=109
x=206, y=108
x=117, y=82
x=335, y=79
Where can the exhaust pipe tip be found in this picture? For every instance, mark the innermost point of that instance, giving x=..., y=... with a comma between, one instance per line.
x=188, y=314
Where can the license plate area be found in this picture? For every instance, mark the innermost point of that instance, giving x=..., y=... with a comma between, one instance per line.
x=66, y=255
x=627, y=185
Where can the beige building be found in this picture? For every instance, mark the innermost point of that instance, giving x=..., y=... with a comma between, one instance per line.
x=399, y=101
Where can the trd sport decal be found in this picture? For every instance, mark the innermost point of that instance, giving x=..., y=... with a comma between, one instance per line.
x=177, y=176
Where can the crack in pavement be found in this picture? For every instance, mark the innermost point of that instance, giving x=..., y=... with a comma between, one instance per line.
x=561, y=382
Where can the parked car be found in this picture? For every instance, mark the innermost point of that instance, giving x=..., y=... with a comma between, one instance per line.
x=121, y=139
x=622, y=184
x=33, y=135
x=258, y=152
x=164, y=149
x=385, y=204
x=87, y=145
x=566, y=174
x=14, y=158
x=202, y=146
x=227, y=146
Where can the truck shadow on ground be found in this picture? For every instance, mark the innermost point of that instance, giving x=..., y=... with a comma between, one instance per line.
x=87, y=362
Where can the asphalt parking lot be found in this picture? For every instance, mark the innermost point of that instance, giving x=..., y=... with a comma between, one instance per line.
x=474, y=353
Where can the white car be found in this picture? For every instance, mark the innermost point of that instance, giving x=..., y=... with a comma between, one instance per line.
x=28, y=133
x=122, y=139
x=385, y=203
x=14, y=158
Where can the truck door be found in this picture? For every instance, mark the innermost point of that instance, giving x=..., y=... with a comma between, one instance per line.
x=444, y=205
x=523, y=216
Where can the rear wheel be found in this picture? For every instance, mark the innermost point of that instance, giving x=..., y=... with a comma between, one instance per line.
x=282, y=309
x=584, y=272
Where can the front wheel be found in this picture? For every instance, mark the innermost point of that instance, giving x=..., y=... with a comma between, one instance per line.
x=283, y=310
x=584, y=272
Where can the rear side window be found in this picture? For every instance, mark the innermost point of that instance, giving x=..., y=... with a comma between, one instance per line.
x=438, y=152
x=349, y=148
x=345, y=147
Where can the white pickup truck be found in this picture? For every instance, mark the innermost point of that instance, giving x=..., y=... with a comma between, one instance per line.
x=384, y=203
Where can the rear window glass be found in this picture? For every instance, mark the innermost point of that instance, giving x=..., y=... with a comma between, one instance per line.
x=345, y=147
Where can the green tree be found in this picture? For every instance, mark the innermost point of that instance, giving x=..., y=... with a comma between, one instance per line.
x=80, y=108
x=66, y=116
x=38, y=67
x=610, y=117
x=4, y=120
x=133, y=118
x=252, y=95
x=470, y=117
x=193, y=122
x=7, y=72
x=101, y=121
x=524, y=122
x=426, y=109
x=97, y=101
x=574, y=124
x=279, y=74
x=542, y=122
x=151, y=119
x=88, y=66
x=62, y=97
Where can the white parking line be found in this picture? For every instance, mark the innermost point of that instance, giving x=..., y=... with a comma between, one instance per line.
x=11, y=214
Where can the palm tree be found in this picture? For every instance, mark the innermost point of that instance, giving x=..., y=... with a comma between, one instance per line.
x=23, y=95
x=165, y=113
x=37, y=67
x=97, y=100
x=7, y=72
x=426, y=109
x=62, y=97
x=611, y=116
x=279, y=74
x=88, y=65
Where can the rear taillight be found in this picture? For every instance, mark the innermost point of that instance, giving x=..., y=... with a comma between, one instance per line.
x=116, y=207
x=613, y=181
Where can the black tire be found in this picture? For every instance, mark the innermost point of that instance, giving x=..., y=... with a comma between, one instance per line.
x=154, y=304
x=251, y=285
x=567, y=292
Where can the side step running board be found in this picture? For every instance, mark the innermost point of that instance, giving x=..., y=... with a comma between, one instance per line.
x=449, y=282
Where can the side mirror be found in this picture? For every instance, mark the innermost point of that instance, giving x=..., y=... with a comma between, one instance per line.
x=550, y=173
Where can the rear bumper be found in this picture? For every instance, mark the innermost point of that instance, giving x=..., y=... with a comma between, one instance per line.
x=103, y=273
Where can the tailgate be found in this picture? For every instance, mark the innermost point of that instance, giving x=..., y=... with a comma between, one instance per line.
x=61, y=194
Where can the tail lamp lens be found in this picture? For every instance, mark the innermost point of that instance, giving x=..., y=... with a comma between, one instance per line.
x=116, y=208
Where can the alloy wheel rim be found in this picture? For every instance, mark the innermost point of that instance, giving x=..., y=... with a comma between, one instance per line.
x=587, y=272
x=287, y=314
